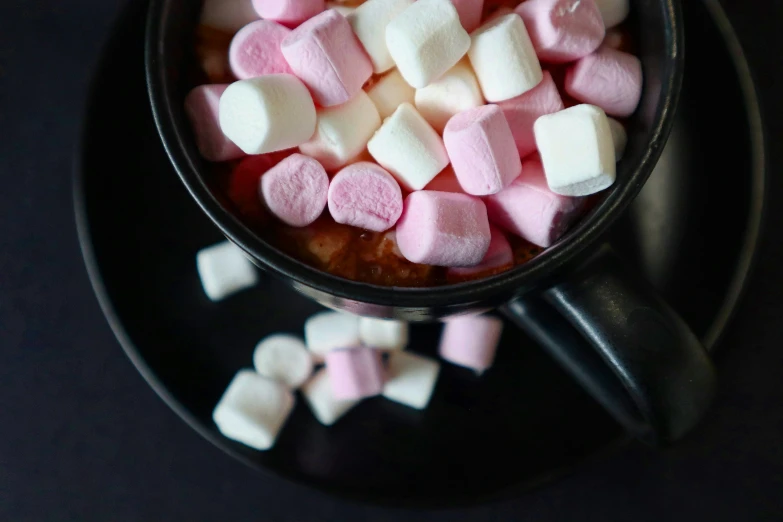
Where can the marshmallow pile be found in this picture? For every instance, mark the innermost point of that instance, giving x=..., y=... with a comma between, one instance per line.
x=435, y=119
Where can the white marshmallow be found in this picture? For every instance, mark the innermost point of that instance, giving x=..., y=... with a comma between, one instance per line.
x=284, y=358
x=504, y=59
x=344, y=10
x=327, y=331
x=390, y=92
x=369, y=22
x=224, y=270
x=409, y=148
x=619, y=138
x=267, y=114
x=253, y=410
x=454, y=92
x=577, y=150
x=318, y=395
x=383, y=334
x=342, y=132
x=410, y=379
x=613, y=12
x=426, y=40
x=228, y=15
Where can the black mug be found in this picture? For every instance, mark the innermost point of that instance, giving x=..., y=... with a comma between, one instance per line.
x=605, y=326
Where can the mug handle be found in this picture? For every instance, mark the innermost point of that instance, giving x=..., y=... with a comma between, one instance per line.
x=612, y=332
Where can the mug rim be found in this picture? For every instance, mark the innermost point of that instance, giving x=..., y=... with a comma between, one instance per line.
x=584, y=234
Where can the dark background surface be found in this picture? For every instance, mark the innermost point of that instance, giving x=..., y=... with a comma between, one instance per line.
x=82, y=436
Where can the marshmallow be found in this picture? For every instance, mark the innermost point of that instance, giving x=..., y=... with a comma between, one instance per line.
x=454, y=92
x=471, y=341
x=267, y=114
x=443, y=229
x=607, y=78
x=355, y=373
x=529, y=209
x=369, y=22
x=411, y=379
x=523, y=111
x=364, y=195
x=317, y=392
x=227, y=15
x=482, y=151
x=446, y=181
x=342, y=132
x=326, y=331
x=344, y=10
x=390, y=92
x=295, y=190
x=255, y=50
x=504, y=59
x=409, y=148
x=613, y=12
x=283, y=358
x=325, y=54
x=619, y=138
x=288, y=12
x=426, y=40
x=383, y=334
x=202, y=107
x=469, y=12
x=563, y=30
x=577, y=150
x=224, y=270
x=253, y=410
x=499, y=255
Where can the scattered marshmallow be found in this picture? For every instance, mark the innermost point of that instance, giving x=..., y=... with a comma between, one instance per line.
x=482, y=151
x=469, y=12
x=503, y=57
x=253, y=410
x=342, y=132
x=446, y=181
x=529, y=209
x=471, y=341
x=454, y=92
x=411, y=379
x=255, y=50
x=613, y=12
x=288, y=12
x=284, y=358
x=390, y=92
x=563, y=30
x=355, y=373
x=202, y=106
x=619, y=138
x=364, y=195
x=608, y=78
x=383, y=334
x=326, y=331
x=499, y=255
x=325, y=54
x=523, y=111
x=577, y=150
x=443, y=229
x=224, y=270
x=267, y=114
x=408, y=147
x=426, y=40
x=369, y=21
x=317, y=392
x=227, y=15
x=295, y=190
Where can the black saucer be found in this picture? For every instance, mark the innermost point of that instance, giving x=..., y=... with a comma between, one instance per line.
x=693, y=231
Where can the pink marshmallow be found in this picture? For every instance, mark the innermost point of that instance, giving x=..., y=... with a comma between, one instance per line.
x=471, y=341
x=563, y=30
x=325, y=54
x=469, y=12
x=355, y=373
x=530, y=210
x=364, y=195
x=443, y=229
x=202, y=107
x=523, y=111
x=295, y=190
x=446, y=181
x=609, y=79
x=499, y=254
x=482, y=150
x=288, y=12
x=255, y=50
